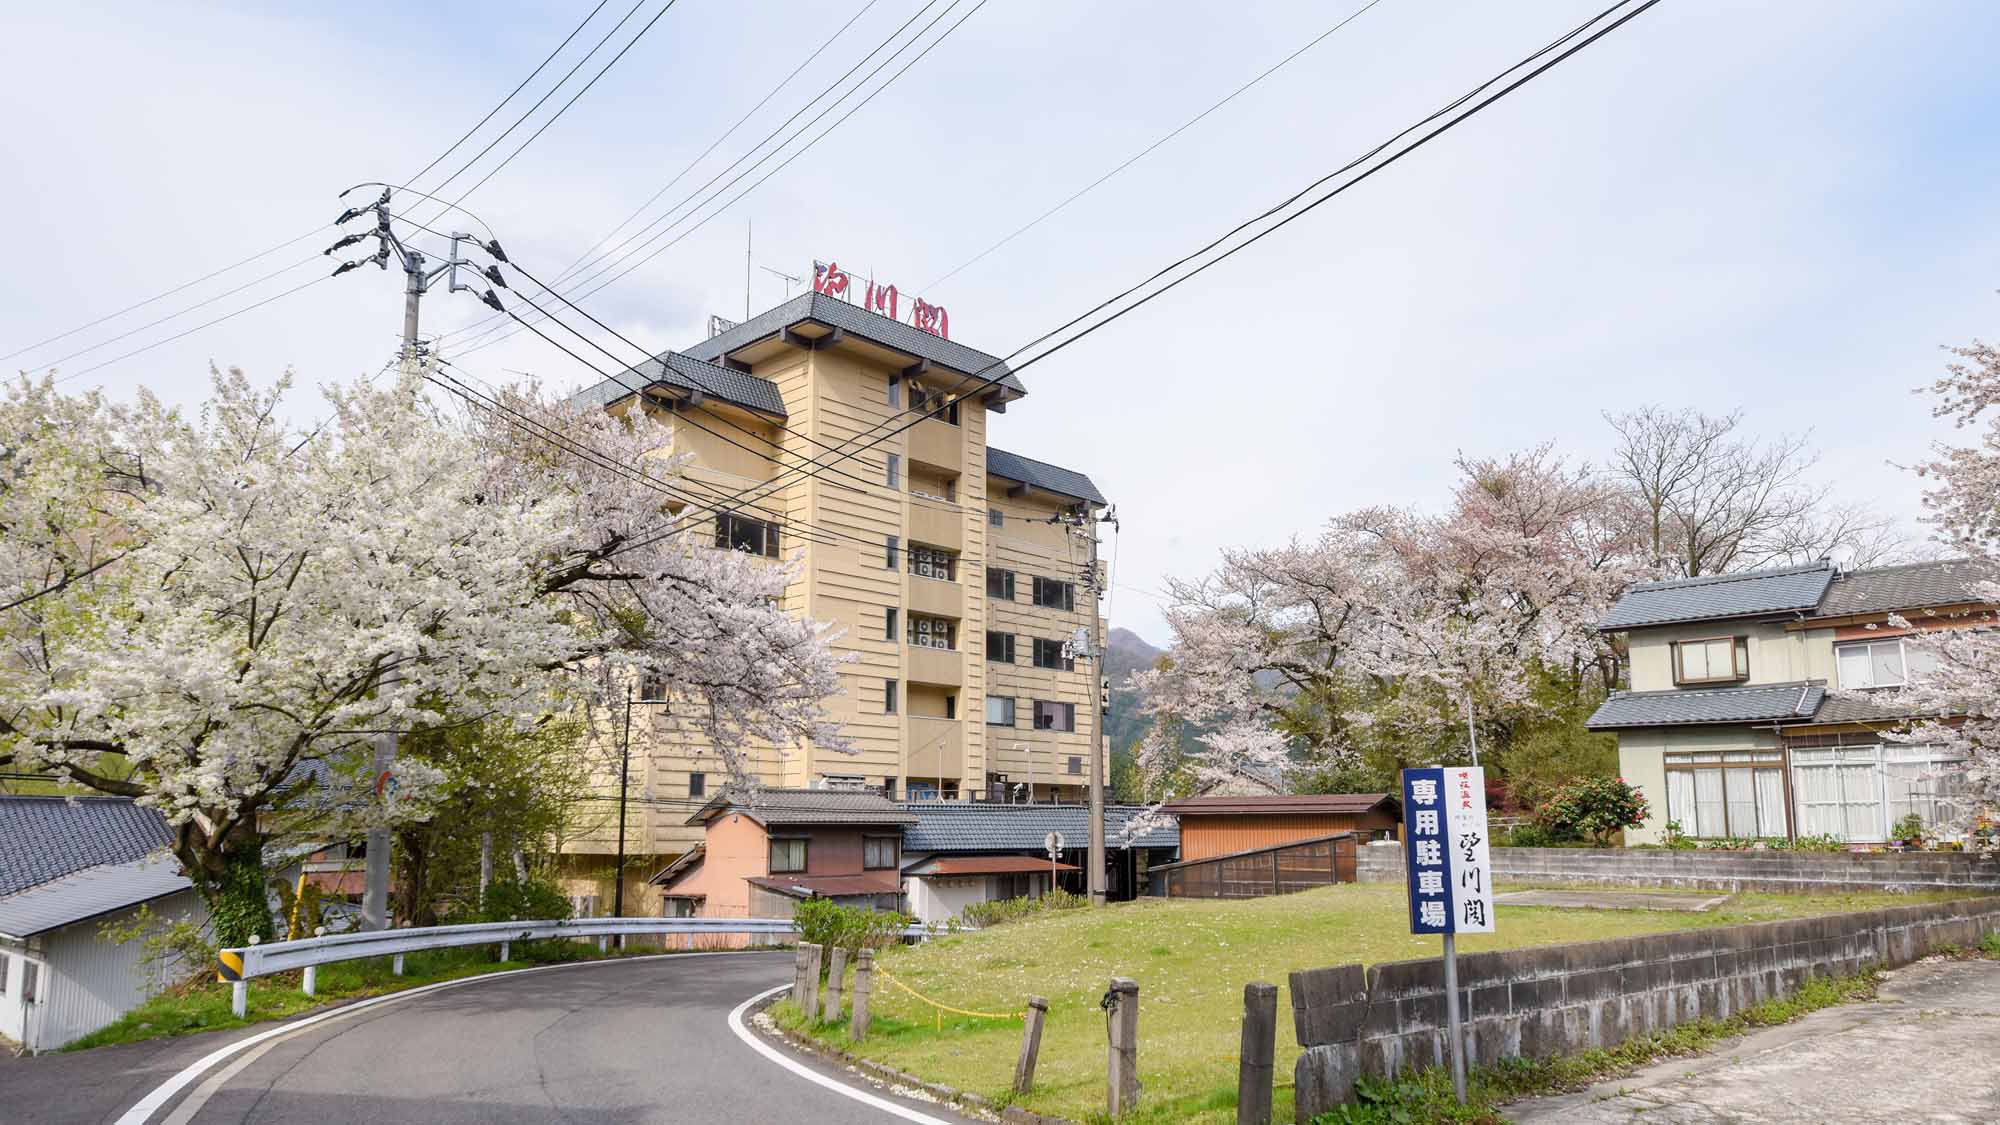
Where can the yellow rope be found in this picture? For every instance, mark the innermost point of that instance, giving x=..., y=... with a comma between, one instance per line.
x=943, y=1008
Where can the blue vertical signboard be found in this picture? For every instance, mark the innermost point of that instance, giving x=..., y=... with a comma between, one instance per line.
x=1427, y=862
x=1450, y=873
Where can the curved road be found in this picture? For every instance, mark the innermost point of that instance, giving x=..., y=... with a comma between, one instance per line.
x=617, y=1043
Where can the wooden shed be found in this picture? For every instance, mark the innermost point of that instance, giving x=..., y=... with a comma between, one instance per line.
x=1212, y=826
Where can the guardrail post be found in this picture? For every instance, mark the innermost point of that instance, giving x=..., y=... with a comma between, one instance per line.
x=311, y=982
x=604, y=942
x=1254, y=1066
x=1031, y=1044
x=239, y=998
x=836, y=975
x=864, y=986
x=810, y=1004
x=1123, y=1093
x=503, y=950
x=396, y=966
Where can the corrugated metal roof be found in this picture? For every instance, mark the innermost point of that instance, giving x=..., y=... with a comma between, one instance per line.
x=684, y=372
x=961, y=826
x=86, y=894
x=1911, y=586
x=46, y=838
x=1720, y=596
x=1328, y=804
x=806, y=807
x=1042, y=475
x=1762, y=703
x=849, y=317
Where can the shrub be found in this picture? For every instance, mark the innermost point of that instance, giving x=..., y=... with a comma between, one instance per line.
x=1595, y=807
x=1014, y=909
x=1676, y=839
x=826, y=923
x=172, y=951
x=1910, y=829
x=1532, y=835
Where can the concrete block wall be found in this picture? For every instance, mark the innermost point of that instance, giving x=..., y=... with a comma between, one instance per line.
x=1719, y=870
x=1556, y=1000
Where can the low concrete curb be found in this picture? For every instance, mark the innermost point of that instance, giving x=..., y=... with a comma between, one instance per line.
x=950, y=1095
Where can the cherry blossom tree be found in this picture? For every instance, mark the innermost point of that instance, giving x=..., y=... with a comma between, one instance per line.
x=194, y=606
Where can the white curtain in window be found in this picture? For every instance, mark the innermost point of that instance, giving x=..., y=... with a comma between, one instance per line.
x=1770, y=803
x=1742, y=793
x=1861, y=801
x=1816, y=793
x=1854, y=667
x=1680, y=800
x=1708, y=803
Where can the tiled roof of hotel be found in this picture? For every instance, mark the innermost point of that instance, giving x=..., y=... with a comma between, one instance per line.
x=1720, y=596
x=963, y=826
x=1910, y=586
x=1042, y=475
x=46, y=838
x=806, y=807
x=686, y=373
x=1761, y=703
x=850, y=317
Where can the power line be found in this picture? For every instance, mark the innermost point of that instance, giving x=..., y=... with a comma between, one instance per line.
x=108, y=341
x=192, y=331
x=984, y=380
x=1141, y=154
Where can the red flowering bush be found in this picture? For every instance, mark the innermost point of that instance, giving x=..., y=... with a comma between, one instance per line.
x=1593, y=806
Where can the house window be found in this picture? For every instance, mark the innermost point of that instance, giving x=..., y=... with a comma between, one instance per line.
x=888, y=697
x=6, y=964
x=1000, y=647
x=995, y=518
x=31, y=977
x=1075, y=764
x=999, y=710
x=1858, y=793
x=1054, y=594
x=1054, y=716
x=933, y=562
x=787, y=855
x=933, y=632
x=999, y=583
x=676, y=906
x=697, y=785
x=1737, y=793
x=1712, y=660
x=1013, y=886
x=1049, y=654
x=1886, y=663
x=889, y=788
x=890, y=552
x=895, y=469
x=889, y=626
x=741, y=533
x=878, y=852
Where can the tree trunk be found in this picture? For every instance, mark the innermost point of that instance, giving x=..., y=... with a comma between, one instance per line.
x=238, y=902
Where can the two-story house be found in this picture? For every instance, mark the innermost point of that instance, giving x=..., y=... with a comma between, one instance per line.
x=957, y=573
x=1750, y=715
x=765, y=852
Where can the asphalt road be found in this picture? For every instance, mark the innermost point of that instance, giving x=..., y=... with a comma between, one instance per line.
x=610, y=1042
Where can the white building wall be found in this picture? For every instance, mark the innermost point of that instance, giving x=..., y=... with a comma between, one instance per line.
x=86, y=981
x=934, y=898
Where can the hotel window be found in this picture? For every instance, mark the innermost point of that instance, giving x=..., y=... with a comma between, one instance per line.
x=889, y=552
x=999, y=647
x=1877, y=664
x=740, y=533
x=895, y=390
x=697, y=785
x=999, y=583
x=1734, y=793
x=1049, y=654
x=933, y=562
x=889, y=623
x=1055, y=594
x=937, y=404
x=933, y=632
x=888, y=697
x=999, y=710
x=1054, y=716
x=787, y=855
x=995, y=518
x=878, y=852
x=895, y=469
x=1712, y=660
x=652, y=689
x=1858, y=793
x=1075, y=764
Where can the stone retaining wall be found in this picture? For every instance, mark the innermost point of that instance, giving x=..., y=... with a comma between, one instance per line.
x=1718, y=870
x=1555, y=1000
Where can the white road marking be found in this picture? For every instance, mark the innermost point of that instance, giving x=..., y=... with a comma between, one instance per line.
x=758, y=1045
x=165, y=1091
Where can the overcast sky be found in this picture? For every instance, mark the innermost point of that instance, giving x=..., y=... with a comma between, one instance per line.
x=1783, y=208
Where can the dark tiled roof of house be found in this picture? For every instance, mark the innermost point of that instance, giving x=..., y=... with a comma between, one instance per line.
x=686, y=373
x=852, y=318
x=1307, y=804
x=1910, y=586
x=1853, y=708
x=961, y=826
x=1042, y=475
x=829, y=886
x=1721, y=596
x=804, y=807
x=43, y=839
x=1707, y=706
x=89, y=893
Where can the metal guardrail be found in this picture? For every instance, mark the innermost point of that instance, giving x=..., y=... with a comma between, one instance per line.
x=240, y=964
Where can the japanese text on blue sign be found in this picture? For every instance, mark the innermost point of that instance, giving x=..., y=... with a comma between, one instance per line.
x=1444, y=837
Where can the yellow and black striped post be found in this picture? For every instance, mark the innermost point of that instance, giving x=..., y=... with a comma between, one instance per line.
x=228, y=965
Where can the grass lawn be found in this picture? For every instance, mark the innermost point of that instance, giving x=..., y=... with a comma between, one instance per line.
x=1192, y=959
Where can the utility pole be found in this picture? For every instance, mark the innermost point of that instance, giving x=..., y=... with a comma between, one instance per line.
x=416, y=282
x=1085, y=523
x=624, y=776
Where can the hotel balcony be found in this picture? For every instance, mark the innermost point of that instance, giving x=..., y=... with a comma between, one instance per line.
x=941, y=666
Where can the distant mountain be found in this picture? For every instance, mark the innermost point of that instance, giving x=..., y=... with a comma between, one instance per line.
x=1125, y=653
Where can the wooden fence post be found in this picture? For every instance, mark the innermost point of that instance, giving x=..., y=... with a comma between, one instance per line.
x=836, y=974
x=1031, y=1044
x=809, y=1005
x=864, y=985
x=1123, y=1094
x=1254, y=1065
x=799, y=975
